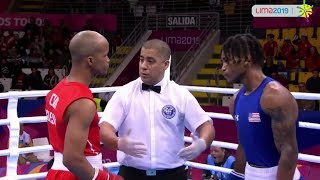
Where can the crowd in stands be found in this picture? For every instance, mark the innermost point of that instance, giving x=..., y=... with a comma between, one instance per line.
x=292, y=57
x=44, y=47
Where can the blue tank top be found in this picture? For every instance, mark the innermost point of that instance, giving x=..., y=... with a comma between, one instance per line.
x=227, y=164
x=254, y=128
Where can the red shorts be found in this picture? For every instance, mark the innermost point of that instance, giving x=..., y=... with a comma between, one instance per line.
x=59, y=174
x=66, y=175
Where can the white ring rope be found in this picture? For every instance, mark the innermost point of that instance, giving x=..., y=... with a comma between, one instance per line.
x=14, y=125
x=297, y=95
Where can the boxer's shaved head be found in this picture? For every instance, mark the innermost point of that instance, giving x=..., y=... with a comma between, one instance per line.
x=85, y=44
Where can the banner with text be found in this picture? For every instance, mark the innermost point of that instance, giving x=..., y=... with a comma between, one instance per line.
x=178, y=40
x=182, y=21
x=75, y=22
x=288, y=22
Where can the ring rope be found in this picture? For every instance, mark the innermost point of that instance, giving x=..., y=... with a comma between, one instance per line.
x=14, y=121
x=38, y=119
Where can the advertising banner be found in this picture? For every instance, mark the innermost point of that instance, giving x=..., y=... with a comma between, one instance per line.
x=75, y=22
x=288, y=22
x=178, y=40
x=182, y=21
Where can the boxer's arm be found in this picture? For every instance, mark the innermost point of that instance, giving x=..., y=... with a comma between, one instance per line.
x=240, y=163
x=79, y=116
x=281, y=106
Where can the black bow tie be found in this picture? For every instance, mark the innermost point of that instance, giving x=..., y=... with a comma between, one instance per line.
x=156, y=89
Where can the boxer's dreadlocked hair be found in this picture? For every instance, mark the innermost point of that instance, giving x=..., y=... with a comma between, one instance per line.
x=241, y=47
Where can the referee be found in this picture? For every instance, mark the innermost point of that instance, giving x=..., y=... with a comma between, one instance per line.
x=150, y=115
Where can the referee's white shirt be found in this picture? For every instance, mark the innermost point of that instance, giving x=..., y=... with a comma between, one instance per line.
x=157, y=120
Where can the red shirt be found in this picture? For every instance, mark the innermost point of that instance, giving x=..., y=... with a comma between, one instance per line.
x=269, y=48
x=303, y=49
x=312, y=63
x=286, y=50
x=57, y=101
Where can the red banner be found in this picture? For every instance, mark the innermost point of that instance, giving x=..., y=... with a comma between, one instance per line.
x=75, y=22
x=288, y=22
x=178, y=40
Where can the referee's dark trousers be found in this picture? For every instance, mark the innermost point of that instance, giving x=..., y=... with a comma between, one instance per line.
x=130, y=173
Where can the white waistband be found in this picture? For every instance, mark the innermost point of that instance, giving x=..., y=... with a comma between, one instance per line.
x=95, y=161
x=253, y=173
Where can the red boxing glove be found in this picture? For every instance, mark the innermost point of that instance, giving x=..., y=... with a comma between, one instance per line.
x=105, y=175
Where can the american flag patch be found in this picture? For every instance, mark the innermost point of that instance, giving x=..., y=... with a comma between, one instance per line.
x=254, y=117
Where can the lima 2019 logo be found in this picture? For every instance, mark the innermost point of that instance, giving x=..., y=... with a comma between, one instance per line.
x=305, y=10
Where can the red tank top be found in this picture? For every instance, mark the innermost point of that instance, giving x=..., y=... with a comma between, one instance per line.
x=57, y=101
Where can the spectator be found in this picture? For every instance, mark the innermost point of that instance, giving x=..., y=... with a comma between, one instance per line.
x=269, y=66
x=313, y=60
x=27, y=39
x=10, y=39
x=222, y=158
x=35, y=80
x=303, y=47
x=19, y=45
x=287, y=50
x=35, y=57
x=19, y=79
x=271, y=47
x=5, y=68
x=46, y=28
x=14, y=58
x=25, y=141
x=51, y=79
x=303, y=104
x=32, y=27
x=313, y=84
x=280, y=79
x=1, y=90
x=3, y=47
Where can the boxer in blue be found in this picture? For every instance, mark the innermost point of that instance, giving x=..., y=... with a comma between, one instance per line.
x=265, y=113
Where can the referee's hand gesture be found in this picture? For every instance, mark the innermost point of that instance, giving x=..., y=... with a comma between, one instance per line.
x=194, y=150
x=131, y=147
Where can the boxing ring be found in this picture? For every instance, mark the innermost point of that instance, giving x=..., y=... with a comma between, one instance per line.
x=13, y=123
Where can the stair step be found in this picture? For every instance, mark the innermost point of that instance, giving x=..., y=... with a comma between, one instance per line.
x=217, y=49
x=207, y=71
x=122, y=50
x=207, y=76
x=217, y=56
x=214, y=61
x=116, y=61
x=212, y=66
x=201, y=82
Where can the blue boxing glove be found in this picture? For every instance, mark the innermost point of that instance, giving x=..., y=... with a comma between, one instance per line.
x=235, y=176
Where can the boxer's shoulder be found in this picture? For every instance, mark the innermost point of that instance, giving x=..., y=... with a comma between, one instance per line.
x=275, y=95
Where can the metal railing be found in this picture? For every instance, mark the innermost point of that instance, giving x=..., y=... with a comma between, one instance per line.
x=189, y=57
x=123, y=50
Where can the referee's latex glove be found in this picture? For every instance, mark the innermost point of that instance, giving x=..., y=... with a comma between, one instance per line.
x=131, y=147
x=194, y=150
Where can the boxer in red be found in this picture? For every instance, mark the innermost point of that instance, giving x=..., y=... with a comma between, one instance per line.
x=72, y=113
